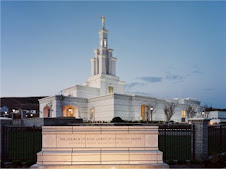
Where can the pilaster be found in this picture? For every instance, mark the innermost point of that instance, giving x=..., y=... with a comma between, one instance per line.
x=200, y=138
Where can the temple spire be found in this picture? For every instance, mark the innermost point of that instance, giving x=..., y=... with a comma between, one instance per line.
x=103, y=21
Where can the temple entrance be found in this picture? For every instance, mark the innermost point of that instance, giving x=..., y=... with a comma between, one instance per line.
x=70, y=111
x=46, y=112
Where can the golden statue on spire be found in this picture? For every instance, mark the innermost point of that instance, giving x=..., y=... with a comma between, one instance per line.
x=103, y=21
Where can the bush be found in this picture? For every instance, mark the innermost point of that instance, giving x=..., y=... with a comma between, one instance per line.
x=181, y=162
x=195, y=162
x=117, y=120
x=29, y=163
x=16, y=163
x=171, y=162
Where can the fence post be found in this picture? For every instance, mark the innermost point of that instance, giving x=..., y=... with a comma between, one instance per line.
x=200, y=138
x=221, y=147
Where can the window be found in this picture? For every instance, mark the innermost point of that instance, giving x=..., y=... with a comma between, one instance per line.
x=91, y=113
x=183, y=113
x=105, y=42
x=70, y=112
x=110, y=90
x=143, y=112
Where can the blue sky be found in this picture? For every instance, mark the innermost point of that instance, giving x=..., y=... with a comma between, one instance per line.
x=164, y=49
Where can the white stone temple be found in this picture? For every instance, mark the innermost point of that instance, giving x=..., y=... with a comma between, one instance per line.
x=102, y=96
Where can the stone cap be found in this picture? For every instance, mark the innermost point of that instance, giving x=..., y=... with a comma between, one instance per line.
x=199, y=119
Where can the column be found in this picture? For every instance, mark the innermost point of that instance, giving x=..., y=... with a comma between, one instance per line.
x=113, y=65
x=93, y=66
x=200, y=138
x=102, y=64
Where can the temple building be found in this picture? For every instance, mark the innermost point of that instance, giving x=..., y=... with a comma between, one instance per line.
x=102, y=96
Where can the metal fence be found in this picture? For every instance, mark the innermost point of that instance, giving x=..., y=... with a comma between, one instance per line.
x=216, y=139
x=175, y=141
x=20, y=143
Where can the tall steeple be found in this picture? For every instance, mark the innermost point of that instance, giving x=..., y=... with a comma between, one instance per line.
x=103, y=62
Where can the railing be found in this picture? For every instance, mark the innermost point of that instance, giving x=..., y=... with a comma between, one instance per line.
x=175, y=141
x=216, y=139
x=20, y=143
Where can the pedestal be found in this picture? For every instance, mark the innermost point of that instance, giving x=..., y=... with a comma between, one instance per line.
x=100, y=147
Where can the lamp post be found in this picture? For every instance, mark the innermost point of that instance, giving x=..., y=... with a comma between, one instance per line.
x=151, y=108
x=203, y=114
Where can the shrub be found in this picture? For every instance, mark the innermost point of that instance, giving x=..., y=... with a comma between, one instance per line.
x=181, y=162
x=171, y=162
x=117, y=120
x=16, y=163
x=29, y=163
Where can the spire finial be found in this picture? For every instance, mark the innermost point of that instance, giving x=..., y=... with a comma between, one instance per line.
x=103, y=21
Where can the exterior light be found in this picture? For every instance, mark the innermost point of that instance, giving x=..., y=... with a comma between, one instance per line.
x=31, y=115
x=14, y=110
x=203, y=114
x=5, y=112
x=151, y=108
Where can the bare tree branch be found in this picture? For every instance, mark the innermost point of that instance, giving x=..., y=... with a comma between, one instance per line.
x=169, y=110
x=190, y=111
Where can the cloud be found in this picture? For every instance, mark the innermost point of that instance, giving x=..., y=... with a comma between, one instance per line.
x=209, y=89
x=174, y=77
x=151, y=79
x=133, y=84
x=196, y=72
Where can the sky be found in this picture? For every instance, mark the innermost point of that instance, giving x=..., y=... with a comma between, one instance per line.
x=164, y=49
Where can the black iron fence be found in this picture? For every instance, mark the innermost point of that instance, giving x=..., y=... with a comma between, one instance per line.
x=20, y=143
x=216, y=139
x=175, y=141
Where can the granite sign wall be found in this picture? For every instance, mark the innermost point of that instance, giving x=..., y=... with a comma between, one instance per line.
x=92, y=146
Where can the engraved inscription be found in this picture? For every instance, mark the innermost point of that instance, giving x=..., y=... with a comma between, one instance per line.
x=102, y=140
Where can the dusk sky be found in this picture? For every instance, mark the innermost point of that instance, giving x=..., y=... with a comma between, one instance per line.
x=164, y=49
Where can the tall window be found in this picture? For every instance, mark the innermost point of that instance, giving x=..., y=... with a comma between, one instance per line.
x=110, y=90
x=143, y=112
x=105, y=42
x=91, y=113
x=183, y=114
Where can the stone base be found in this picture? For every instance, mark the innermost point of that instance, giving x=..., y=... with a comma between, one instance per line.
x=104, y=166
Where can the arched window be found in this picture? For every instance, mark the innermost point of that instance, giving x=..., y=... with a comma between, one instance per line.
x=46, y=112
x=70, y=111
x=143, y=112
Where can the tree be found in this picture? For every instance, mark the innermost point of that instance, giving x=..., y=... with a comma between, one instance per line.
x=169, y=110
x=190, y=111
